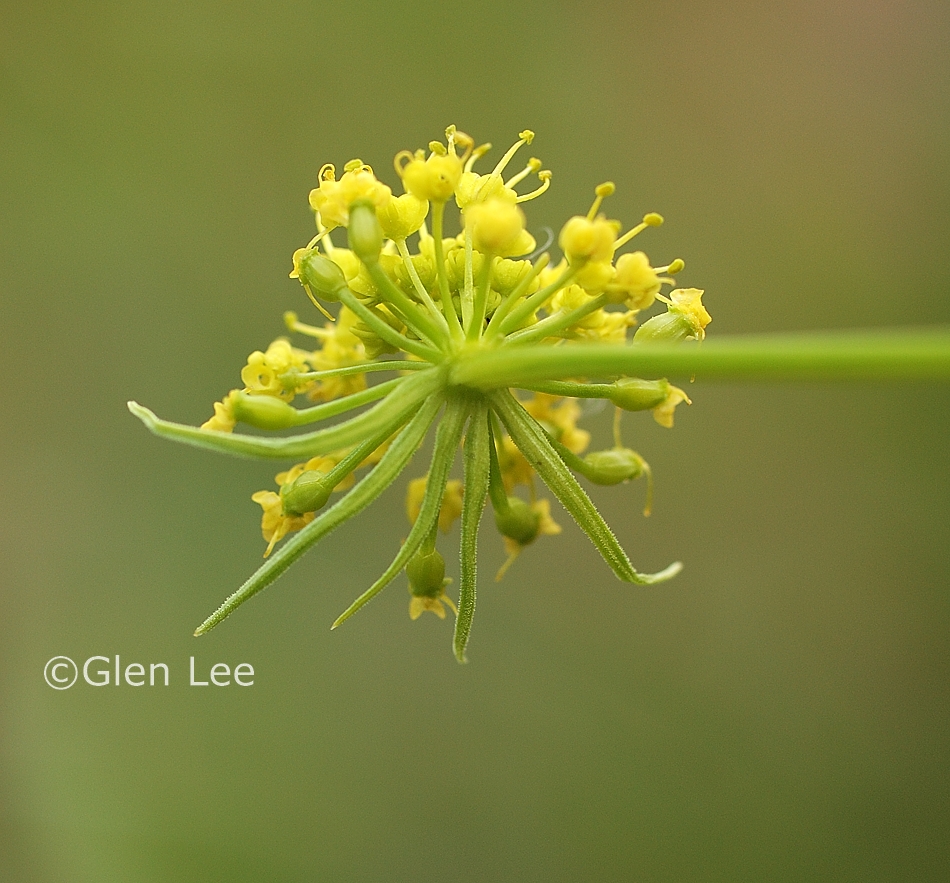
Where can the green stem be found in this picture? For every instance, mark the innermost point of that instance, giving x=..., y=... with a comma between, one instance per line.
x=455, y=327
x=424, y=296
x=414, y=317
x=537, y=300
x=885, y=354
x=552, y=326
x=347, y=403
x=508, y=304
x=395, y=459
x=385, y=332
x=363, y=368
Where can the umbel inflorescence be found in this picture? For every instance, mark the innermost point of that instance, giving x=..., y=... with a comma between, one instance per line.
x=459, y=320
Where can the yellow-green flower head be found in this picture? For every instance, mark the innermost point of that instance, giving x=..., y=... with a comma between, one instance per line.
x=497, y=228
x=468, y=323
x=332, y=199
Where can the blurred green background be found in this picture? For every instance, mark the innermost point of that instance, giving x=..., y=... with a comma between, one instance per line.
x=778, y=712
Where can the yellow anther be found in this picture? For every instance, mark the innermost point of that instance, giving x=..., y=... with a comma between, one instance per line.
x=649, y=220
x=545, y=177
x=525, y=137
x=437, y=148
x=674, y=268
x=533, y=165
x=600, y=192
x=327, y=172
x=476, y=154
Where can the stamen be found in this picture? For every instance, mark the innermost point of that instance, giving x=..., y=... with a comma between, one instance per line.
x=545, y=177
x=649, y=220
x=406, y=155
x=533, y=165
x=673, y=268
x=476, y=154
x=525, y=137
x=327, y=172
x=601, y=191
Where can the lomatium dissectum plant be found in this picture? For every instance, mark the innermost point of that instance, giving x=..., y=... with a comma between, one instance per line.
x=462, y=320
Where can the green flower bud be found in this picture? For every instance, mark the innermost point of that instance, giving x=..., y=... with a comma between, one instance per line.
x=263, y=411
x=364, y=232
x=666, y=328
x=634, y=394
x=613, y=466
x=321, y=275
x=520, y=523
x=426, y=572
x=308, y=492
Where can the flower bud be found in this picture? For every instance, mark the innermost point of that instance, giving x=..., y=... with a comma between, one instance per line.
x=433, y=179
x=318, y=273
x=613, y=466
x=520, y=523
x=308, y=492
x=263, y=411
x=584, y=239
x=364, y=232
x=634, y=394
x=401, y=216
x=686, y=319
x=496, y=226
x=426, y=572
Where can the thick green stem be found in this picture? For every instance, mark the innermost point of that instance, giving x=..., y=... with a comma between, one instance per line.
x=886, y=354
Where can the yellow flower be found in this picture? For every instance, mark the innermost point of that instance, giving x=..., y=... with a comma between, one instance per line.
x=688, y=302
x=546, y=526
x=262, y=372
x=418, y=604
x=635, y=282
x=559, y=416
x=223, y=419
x=332, y=199
x=450, y=510
x=663, y=413
x=275, y=525
x=497, y=228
